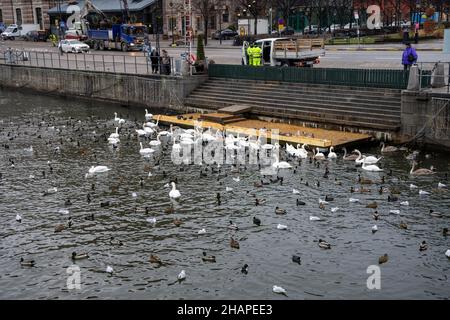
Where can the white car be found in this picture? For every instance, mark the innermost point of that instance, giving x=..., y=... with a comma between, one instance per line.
x=74, y=46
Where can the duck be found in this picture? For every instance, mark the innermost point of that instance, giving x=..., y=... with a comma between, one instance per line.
x=207, y=258
x=435, y=214
x=423, y=246
x=445, y=232
x=281, y=227
x=351, y=157
x=279, y=210
x=376, y=215
x=61, y=227
x=155, y=259
x=295, y=191
x=332, y=154
x=324, y=245
x=115, y=242
x=403, y=225
x=374, y=228
x=104, y=204
x=89, y=217
x=353, y=200
x=420, y=171
x=383, y=259
x=392, y=198
x=362, y=180
x=79, y=256
x=300, y=202
x=367, y=159
x=234, y=243
x=278, y=289
x=370, y=167
x=177, y=222
x=394, y=211
x=18, y=218
x=386, y=149
x=233, y=226
x=27, y=263
x=244, y=269
x=256, y=221
x=372, y=205
x=174, y=193
x=296, y=259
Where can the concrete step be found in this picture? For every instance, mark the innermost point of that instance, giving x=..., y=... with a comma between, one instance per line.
x=347, y=120
x=307, y=113
x=387, y=91
x=369, y=96
x=388, y=106
x=315, y=105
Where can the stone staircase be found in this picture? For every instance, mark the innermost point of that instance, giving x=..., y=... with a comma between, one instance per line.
x=314, y=104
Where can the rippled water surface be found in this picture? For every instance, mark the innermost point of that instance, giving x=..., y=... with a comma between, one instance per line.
x=47, y=123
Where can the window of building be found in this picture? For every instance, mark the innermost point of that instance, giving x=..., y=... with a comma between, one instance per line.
x=172, y=23
x=18, y=16
x=199, y=24
x=212, y=22
x=226, y=18
x=39, y=18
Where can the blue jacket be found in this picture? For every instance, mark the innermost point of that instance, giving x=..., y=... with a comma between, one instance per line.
x=406, y=53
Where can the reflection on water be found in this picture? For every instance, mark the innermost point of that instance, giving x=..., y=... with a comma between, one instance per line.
x=68, y=137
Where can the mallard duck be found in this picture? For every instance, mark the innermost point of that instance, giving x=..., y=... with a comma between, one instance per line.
x=300, y=203
x=104, y=204
x=115, y=242
x=234, y=243
x=423, y=246
x=232, y=226
x=89, y=217
x=376, y=215
x=256, y=221
x=372, y=205
x=362, y=180
x=445, y=232
x=329, y=198
x=208, y=258
x=322, y=206
x=403, y=225
x=296, y=259
x=258, y=184
x=394, y=190
x=435, y=214
x=280, y=210
x=392, y=198
x=324, y=245
x=169, y=210
x=27, y=263
x=79, y=256
x=154, y=259
x=61, y=227
x=177, y=222
x=383, y=259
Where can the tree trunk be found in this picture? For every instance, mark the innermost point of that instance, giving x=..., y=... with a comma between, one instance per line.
x=205, y=22
x=256, y=24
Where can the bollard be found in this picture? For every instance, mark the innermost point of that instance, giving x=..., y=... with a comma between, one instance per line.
x=413, y=81
x=437, y=78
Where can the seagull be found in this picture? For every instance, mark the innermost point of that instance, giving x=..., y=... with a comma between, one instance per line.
x=441, y=185
x=314, y=218
x=202, y=231
x=281, y=227
x=151, y=220
x=228, y=189
x=18, y=218
x=335, y=209
x=423, y=193
x=280, y=290
x=295, y=191
x=404, y=203
x=374, y=229
x=182, y=275
x=413, y=186
x=237, y=179
x=394, y=211
x=109, y=269
x=353, y=200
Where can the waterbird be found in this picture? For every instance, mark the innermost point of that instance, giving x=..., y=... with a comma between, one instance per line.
x=374, y=229
x=420, y=171
x=447, y=253
x=105, y=204
x=383, y=259
x=79, y=256
x=177, y=222
x=334, y=209
x=441, y=185
x=256, y=221
x=201, y=231
x=234, y=243
x=174, y=193
x=376, y=215
x=403, y=225
x=435, y=214
x=154, y=259
x=314, y=218
x=324, y=245
x=207, y=258
x=387, y=149
x=423, y=193
x=244, y=269
x=115, y=242
x=281, y=227
x=232, y=226
x=18, y=218
x=332, y=154
x=295, y=191
x=296, y=259
x=394, y=211
x=404, y=203
x=300, y=203
x=98, y=169
x=423, y=246
x=372, y=205
x=280, y=290
x=280, y=210
x=109, y=269
x=27, y=263
x=445, y=232
x=182, y=275
x=61, y=227
x=151, y=220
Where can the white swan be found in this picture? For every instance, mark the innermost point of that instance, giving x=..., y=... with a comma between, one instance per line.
x=332, y=154
x=350, y=157
x=98, y=169
x=152, y=124
x=371, y=167
x=388, y=148
x=113, y=140
x=319, y=155
x=119, y=120
x=140, y=132
x=145, y=151
x=166, y=133
x=116, y=134
x=155, y=143
x=148, y=116
x=421, y=171
x=174, y=193
x=368, y=159
x=280, y=165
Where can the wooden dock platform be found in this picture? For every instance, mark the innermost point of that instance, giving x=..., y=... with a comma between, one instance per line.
x=293, y=134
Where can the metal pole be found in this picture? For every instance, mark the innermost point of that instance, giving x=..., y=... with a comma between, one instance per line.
x=135, y=64
x=220, y=25
x=114, y=64
x=59, y=60
x=84, y=59
x=124, y=65
x=103, y=60
x=76, y=62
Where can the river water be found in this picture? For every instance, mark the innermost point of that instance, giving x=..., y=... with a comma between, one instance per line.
x=61, y=132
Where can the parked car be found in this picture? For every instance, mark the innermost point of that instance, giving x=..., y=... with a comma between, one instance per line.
x=226, y=34
x=39, y=35
x=311, y=29
x=287, y=31
x=74, y=46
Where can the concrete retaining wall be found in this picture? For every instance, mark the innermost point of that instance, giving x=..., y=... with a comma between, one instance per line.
x=133, y=90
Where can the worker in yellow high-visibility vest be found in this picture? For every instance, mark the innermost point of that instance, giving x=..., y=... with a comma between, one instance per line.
x=250, y=54
x=257, y=54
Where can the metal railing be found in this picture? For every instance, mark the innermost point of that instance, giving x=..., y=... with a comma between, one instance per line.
x=136, y=63
x=427, y=73
x=381, y=78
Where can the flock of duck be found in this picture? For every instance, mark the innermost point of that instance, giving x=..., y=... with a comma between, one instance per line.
x=161, y=142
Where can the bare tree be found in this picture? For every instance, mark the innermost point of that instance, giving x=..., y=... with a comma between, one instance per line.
x=255, y=8
x=285, y=7
x=206, y=8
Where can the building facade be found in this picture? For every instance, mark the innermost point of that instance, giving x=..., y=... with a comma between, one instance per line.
x=26, y=12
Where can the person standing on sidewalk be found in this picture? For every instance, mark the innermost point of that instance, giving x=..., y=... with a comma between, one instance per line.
x=409, y=56
x=154, y=58
x=165, y=60
x=257, y=54
x=250, y=54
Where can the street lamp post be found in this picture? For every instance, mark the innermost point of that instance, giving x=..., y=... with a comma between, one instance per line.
x=270, y=21
x=171, y=22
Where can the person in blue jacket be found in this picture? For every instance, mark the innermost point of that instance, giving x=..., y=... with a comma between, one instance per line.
x=409, y=56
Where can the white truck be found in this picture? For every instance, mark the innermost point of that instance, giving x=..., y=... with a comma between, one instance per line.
x=14, y=31
x=287, y=52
